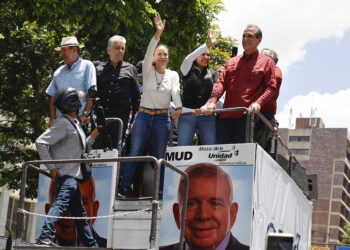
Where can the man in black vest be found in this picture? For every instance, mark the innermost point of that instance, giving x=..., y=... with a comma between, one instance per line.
x=118, y=88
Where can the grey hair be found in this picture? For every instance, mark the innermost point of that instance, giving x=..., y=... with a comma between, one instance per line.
x=115, y=38
x=258, y=32
x=270, y=53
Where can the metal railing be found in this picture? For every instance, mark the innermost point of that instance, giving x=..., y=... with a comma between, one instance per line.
x=249, y=128
x=155, y=203
x=250, y=131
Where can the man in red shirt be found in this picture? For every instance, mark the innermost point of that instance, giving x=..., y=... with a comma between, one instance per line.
x=249, y=81
x=262, y=133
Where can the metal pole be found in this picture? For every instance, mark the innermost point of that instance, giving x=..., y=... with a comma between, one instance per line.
x=155, y=203
x=171, y=134
x=251, y=127
x=275, y=147
x=184, y=201
x=290, y=165
x=21, y=204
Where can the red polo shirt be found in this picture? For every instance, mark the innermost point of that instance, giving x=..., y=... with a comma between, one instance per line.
x=246, y=79
x=271, y=106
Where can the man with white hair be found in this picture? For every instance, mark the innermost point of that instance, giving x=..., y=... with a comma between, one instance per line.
x=117, y=87
x=76, y=73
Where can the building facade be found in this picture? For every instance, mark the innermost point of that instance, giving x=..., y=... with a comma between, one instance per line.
x=326, y=152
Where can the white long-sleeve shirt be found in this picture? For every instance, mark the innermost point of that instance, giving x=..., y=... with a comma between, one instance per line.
x=168, y=87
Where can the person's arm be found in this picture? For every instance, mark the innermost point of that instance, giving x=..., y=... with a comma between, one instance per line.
x=270, y=90
x=188, y=61
x=175, y=94
x=83, y=118
x=135, y=94
x=52, y=111
x=278, y=75
x=218, y=90
x=147, y=63
x=90, y=83
x=50, y=137
x=52, y=91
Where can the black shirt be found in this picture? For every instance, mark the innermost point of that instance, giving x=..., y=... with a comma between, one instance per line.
x=118, y=88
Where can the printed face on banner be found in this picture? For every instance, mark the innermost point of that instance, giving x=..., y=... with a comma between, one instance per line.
x=219, y=201
x=95, y=194
x=210, y=211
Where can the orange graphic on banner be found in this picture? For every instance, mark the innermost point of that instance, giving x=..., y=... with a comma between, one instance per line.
x=319, y=248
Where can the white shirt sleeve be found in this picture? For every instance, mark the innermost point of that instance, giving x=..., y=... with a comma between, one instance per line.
x=147, y=63
x=188, y=61
x=175, y=90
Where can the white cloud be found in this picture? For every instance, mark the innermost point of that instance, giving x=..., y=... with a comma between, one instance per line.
x=287, y=25
x=332, y=108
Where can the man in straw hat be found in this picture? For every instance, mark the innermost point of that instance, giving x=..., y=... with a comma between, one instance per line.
x=76, y=73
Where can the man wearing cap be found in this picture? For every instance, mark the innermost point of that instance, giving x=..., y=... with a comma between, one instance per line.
x=76, y=73
x=118, y=88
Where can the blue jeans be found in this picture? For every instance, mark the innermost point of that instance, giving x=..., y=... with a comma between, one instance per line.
x=232, y=130
x=144, y=123
x=68, y=197
x=188, y=125
x=113, y=131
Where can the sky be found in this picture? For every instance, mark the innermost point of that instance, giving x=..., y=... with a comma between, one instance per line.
x=312, y=39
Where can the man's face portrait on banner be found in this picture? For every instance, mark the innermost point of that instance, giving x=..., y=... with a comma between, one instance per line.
x=210, y=211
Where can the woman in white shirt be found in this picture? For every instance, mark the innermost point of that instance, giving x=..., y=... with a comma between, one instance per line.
x=159, y=86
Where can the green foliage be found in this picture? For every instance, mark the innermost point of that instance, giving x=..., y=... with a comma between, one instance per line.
x=221, y=51
x=346, y=235
x=31, y=29
x=27, y=62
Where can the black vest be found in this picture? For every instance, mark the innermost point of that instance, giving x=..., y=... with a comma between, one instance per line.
x=197, y=87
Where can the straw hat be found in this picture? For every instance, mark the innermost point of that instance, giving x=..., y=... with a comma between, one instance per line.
x=69, y=41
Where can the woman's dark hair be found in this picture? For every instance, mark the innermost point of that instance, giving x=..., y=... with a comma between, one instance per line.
x=194, y=61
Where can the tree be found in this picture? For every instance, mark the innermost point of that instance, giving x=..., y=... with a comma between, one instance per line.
x=346, y=235
x=31, y=29
x=221, y=51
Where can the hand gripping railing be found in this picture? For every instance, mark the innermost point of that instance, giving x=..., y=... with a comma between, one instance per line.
x=30, y=165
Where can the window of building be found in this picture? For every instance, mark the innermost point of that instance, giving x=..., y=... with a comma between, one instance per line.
x=299, y=138
x=348, y=155
x=298, y=151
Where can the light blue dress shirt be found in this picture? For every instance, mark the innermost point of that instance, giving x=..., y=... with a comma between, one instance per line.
x=81, y=76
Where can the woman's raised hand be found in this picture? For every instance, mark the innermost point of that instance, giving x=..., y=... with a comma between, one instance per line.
x=212, y=38
x=160, y=25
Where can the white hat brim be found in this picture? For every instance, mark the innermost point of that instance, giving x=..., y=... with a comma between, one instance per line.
x=59, y=48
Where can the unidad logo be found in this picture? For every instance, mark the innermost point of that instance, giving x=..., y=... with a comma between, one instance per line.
x=220, y=155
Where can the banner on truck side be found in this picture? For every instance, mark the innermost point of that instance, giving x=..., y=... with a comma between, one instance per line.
x=220, y=196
